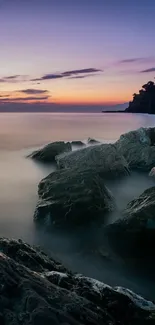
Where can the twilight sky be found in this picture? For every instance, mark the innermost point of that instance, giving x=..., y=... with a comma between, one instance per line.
x=75, y=51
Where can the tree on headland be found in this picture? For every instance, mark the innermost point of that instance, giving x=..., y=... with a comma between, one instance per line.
x=144, y=102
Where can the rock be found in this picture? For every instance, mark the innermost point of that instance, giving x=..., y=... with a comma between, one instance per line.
x=73, y=197
x=104, y=158
x=46, y=296
x=49, y=152
x=30, y=257
x=138, y=149
x=134, y=234
x=78, y=144
x=152, y=172
x=92, y=141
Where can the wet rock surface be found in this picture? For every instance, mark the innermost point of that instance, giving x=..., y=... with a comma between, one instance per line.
x=104, y=158
x=48, y=153
x=134, y=234
x=138, y=148
x=73, y=197
x=37, y=290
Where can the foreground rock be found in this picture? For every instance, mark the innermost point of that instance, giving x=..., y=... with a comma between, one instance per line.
x=73, y=197
x=134, y=234
x=35, y=290
x=138, y=148
x=49, y=152
x=104, y=158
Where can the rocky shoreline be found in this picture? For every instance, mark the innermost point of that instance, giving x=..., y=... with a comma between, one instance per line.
x=77, y=193
x=36, y=289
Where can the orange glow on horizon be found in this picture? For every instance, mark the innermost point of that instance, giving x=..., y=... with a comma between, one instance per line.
x=71, y=96
x=68, y=102
x=92, y=101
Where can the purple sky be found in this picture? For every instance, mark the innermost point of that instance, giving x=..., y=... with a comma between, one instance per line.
x=75, y=51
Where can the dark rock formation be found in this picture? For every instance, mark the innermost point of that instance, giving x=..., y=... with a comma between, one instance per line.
x=92, y=141
x=152, y=172
x=134, y=234
x=30, y=257
x=73, y=197
x=78, y=144
x=35, y=290
x=104, y=158
x=144, y=102
x=138, y=148
x=48, y=153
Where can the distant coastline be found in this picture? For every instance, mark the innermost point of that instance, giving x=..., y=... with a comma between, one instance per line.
x=58, y=108
x=114, y=111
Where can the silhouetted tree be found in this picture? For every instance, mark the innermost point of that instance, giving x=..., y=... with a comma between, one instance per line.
x=144, y=102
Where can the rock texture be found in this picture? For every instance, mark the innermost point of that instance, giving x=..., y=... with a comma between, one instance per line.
x=48, y=153
x=152, y=172
x=134, y=234
x=35, y=290
x=73, y=197
x=138, y=148
x=104, y=158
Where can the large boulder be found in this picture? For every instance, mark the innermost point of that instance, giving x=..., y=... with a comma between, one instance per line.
x=36, y=290
x=104, y=158
x=138, y=148
x=73, y=196
x=49, y=152
x=134, y=234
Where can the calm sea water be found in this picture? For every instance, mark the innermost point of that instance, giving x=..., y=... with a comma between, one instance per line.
x=19, y=178
x=23, y=130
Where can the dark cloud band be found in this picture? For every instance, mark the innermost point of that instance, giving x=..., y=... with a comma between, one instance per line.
x=34, y=91
x=24, y=99
x=148, y=70
x=68, y=74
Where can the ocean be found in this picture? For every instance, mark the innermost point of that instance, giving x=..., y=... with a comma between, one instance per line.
x=20, y=133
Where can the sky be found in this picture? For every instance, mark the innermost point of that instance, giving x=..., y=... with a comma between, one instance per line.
x=75, y=52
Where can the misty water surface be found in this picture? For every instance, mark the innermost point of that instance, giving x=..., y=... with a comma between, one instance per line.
x=19, y=178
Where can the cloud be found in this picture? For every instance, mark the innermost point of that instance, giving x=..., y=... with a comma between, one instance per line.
x=33, y=91
x=74, y=72
x=68, y=74
x=84, y=76
x=25, y=95
x=148, y=70
x=136, y=60
x=13, y=79
x=132, y=60
x=50, y=77
x=23, y=99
